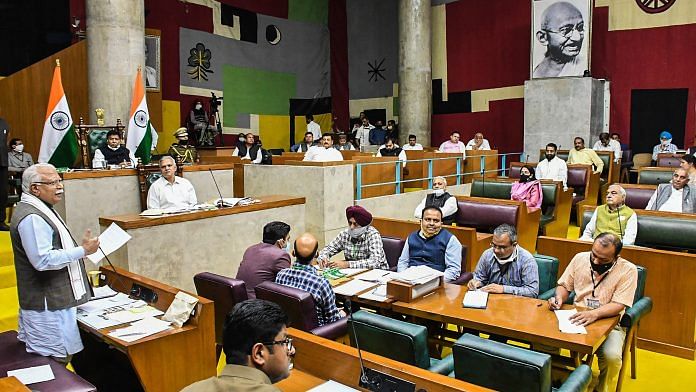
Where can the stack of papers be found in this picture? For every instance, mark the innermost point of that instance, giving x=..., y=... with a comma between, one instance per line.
x=115, y=310
x=565, y=325
x=476, y=299
x=332, y=386
x=378, y=294
x=140, y=329
x=353, y=287
x=352, y=271
x=32, y=375
x=234, y=201
x=102, y=292
x=417, y=275
x=376, y=275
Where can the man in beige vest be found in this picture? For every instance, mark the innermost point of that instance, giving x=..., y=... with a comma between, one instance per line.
x=613, y=217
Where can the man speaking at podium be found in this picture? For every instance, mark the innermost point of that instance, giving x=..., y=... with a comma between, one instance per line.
x=51, y=277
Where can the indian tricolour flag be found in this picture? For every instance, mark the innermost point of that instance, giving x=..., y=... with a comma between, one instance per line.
x=140, y=130
x=59, y=141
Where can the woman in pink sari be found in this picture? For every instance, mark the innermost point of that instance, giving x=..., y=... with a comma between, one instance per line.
x=527, y=189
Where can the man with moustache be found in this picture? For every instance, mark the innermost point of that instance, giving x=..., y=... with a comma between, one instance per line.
x=562, y=31
x=170, y=190
x=324, y=152
x=614, y=217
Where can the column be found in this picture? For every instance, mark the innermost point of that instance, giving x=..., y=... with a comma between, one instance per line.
x=415, y=71
x=115, y=49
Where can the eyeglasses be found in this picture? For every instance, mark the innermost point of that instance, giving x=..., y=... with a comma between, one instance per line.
x=567, y=30
x=287, y=342
x=500, y=247
x=50, y=183
x=675, y=175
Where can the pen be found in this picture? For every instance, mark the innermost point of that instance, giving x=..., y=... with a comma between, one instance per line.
x=131, y=334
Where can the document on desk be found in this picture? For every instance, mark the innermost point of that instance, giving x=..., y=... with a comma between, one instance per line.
x=134, y=314
x=332, y=386
x=416, y=275
x=475, y=299
x=378, y=294
x=353, y=287
x=565, y=325
x=110, y=240
x=140, y=329
x=32, y=375
x=352, y=271
x=100, y=305
x=375, y=275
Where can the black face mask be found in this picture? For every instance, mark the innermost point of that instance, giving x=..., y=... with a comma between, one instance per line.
x=601, y=268
x=524, y=178
x=550, y=156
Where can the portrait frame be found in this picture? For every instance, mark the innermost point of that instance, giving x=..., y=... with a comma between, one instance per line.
x=581, y=62
x=152, y=63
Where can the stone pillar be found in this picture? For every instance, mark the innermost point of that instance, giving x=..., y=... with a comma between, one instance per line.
x=415, y=70
x=115, y=49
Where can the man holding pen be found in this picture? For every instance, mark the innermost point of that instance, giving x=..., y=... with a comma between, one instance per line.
x=604, y=285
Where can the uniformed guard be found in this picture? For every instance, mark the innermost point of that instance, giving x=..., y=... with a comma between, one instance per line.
x=182, y=151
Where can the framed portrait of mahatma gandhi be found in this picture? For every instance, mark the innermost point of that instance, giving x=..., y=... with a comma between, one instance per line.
x=560, y=38
x=152, y=63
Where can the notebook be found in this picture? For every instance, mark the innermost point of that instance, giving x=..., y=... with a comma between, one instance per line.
x=475, y=299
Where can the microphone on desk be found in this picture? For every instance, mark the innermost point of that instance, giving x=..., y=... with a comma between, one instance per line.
x=364, y=378
x=220, y=203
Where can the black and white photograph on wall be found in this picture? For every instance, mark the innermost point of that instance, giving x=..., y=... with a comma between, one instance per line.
x=152, y=62
x=560, y=38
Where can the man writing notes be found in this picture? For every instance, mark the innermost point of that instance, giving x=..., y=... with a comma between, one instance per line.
x=506, y=267
x=170, y=190
x=432, y=246
x=51, y=276
x=604, y=285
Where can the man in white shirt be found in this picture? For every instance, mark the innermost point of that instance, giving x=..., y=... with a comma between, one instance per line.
x=412, y=145
x=324, y=152
x=613, y=217
x=362, y=135
x=478, y=143
x=606, y=143
x=391, y=149
x=676, y=196
x=249, y=150
x=170, y=190
x=441, y=199
x=553, y=167
x=313, y=127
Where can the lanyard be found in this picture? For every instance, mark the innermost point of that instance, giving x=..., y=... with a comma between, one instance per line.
x=595, y=285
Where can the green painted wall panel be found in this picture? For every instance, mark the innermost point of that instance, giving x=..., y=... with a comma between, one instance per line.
x=315, y=11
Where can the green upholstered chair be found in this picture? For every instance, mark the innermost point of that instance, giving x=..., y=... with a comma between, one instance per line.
x=642, y=305
x=503, y=367
x=491, y=189
x=548, y=203
x=97, y=138
x=548, y=272
x=395, y=339
x=655, y=175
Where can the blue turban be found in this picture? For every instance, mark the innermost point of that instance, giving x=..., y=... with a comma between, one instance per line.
x=665, y=135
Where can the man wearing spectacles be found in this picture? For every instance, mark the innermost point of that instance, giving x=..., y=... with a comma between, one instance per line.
x=677, y=196
x=257, y=348
x=604, y=286
x=562, y=31
x=506, y=268
x=51, y=276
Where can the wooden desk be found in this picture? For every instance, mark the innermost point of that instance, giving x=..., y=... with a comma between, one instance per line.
x=473, y=164
x=671, y=326
x=173, y=248
x=375, y=174
x=476, y=243
x=441, y=167
x=205, y=152
x=520, y=318
x=287, y=156
x=314, y=353
x=166, y=361
x=12, y=384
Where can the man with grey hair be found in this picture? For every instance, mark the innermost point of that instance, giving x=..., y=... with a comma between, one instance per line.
x=562, y=31
x=613, y=217
x=170, y=191
x=441, y=199
x=51, y=276
x=677, y=196
x=506, y=268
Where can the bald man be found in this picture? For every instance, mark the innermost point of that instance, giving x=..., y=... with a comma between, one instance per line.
x=562, y=31
x=303, y=276
x=478, y=143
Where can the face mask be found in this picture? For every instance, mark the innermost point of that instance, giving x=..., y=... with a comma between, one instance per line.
x=508, y=259
x=112, y=148
x=198, y=107
x=438, y=192
x=601, y=268
x=389, y=127
x=524, y=178
x=666, y=142
x=550, y=156
x=242, y=139
x=18, y=147
x=287, y=247
x=357, y=232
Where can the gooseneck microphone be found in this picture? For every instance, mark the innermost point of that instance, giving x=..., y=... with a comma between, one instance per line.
x=220, y=202
x=364, y=378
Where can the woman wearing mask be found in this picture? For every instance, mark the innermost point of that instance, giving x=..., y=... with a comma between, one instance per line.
x=440, y=199
x=527, y=189
x=200, y=121
x=17, y=159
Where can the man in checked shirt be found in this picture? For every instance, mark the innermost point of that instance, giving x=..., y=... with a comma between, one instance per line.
x=361, y=244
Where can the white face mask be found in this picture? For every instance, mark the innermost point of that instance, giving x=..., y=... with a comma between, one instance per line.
x=113, y=148
x=19, y=147
x=508, y=259
x=438, y=192
x=358, y=231
x=199, y=106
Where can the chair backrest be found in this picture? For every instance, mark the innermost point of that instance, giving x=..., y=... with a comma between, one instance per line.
x=97, y=138
x=391, y=338
x=606, y=157
x=642, y=159
x=548, y=272
x=640, y=287
x=655, y=175
x=483, y=216
x=638, y=196
x=298, y=304
x=225, y=292
x=668, y=161
x=515, y=167
x=491, y=189
x=578, y=176
x=392, y=249
x=626, y=156
x=561, y=154
x=500, y=366
x=148, y=174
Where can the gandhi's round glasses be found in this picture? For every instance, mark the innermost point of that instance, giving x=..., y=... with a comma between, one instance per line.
x=567, y=30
